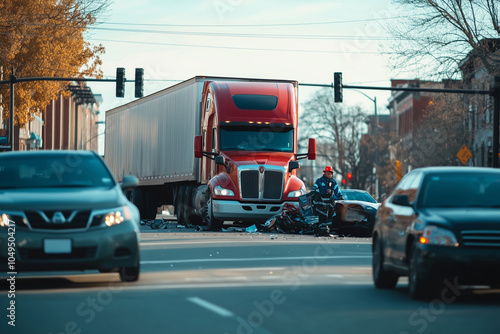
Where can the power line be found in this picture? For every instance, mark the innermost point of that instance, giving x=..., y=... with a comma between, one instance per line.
x=254, y=25
x=239, y=48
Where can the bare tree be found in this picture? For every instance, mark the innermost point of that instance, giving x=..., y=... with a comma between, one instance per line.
x=438, y=34
x=438, y=137
x=338, y=130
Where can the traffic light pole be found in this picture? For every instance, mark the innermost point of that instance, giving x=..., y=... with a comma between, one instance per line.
x=494, y=91
x=13, y=80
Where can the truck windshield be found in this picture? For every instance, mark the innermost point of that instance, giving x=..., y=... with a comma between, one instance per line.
x=241, y=138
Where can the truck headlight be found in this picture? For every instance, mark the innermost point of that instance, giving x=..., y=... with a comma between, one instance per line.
x=297, y=193
x=117, y=216
x=434, y=235
x=219, y=191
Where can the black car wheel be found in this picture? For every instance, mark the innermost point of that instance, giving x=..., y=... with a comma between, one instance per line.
x=130, y=274
x=382, y=278
x=418, y=287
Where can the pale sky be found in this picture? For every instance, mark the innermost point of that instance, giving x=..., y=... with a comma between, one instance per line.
x=303, y=40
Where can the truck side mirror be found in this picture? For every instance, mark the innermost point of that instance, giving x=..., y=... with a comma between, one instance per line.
x=197, y=146
x=311, y=151
x=219, y=160
x=293, y=165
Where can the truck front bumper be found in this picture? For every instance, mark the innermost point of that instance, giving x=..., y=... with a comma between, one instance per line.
x=237, y=211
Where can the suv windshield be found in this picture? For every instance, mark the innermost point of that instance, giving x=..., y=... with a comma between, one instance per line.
x=254, y=138
x=53, y=170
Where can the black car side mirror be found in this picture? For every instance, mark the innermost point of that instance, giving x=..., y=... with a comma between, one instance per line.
x=402, y=200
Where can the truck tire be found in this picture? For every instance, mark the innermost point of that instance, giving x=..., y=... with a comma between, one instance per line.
x=189, y=217
x=213, y=224
x=180, y=203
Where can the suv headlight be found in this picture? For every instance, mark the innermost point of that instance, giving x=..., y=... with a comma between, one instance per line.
x=6, y=222
x=434, y=235
x=117, y=216
x=219, y=191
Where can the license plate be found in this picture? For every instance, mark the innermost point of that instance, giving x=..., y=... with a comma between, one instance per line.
x=57, y=246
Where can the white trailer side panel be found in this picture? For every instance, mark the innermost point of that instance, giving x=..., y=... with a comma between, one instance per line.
x=153, y=137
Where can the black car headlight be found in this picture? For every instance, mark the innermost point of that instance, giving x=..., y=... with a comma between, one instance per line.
x=434, y=235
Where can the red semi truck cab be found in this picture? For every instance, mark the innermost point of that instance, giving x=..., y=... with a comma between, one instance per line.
x=248, y=150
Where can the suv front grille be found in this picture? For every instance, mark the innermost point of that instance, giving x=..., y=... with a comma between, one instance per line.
x=481, y=238
x=43, y=220
x=262, y=186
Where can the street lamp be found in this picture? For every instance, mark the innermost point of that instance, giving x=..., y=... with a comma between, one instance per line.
x=374, y=100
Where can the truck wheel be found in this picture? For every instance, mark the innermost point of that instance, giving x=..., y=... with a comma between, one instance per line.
x=189, y=217
x=213, y=224
x=179, y=208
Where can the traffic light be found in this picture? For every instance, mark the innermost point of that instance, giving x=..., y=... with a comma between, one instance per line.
x=139, y=82
x=399, y=170
x=337, y=87
x=120, y=82
x=349, y=177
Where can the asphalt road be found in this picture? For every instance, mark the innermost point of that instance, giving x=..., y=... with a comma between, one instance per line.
x=236, y=282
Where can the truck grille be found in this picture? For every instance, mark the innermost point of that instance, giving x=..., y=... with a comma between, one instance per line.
x=481, y=239
x=263, y=186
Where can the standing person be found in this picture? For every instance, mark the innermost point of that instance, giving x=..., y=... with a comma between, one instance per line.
x=326, y=185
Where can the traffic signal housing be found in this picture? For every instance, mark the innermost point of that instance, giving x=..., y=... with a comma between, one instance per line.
x=139, y=82
x=120, y=82
x=349, y=177
x=337, y=87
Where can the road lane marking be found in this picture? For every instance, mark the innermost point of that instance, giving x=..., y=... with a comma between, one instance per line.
x=211, y=307
x=259, y=259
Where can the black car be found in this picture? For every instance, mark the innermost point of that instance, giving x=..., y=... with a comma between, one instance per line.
x=441, y=228
x=64, y=211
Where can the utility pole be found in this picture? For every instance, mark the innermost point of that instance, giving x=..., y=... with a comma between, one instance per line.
x=11, y=109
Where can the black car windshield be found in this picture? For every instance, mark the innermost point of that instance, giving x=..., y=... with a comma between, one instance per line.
x=53, y=170
x=255, y=138
x=357, y=196
x=461, y=190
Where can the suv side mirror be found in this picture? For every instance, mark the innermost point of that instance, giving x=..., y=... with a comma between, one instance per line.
x=402, y=200
x=129, y=181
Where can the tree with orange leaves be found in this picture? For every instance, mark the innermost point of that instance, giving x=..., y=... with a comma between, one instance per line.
x=45, y=38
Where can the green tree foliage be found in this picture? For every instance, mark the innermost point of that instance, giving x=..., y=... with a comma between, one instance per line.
x=45, y=38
